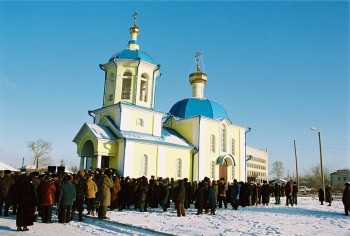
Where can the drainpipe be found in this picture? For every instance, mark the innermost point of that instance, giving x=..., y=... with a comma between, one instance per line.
x=104, y=89
x=199, y=137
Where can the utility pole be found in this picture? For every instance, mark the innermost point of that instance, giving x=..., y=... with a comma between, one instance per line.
x=296, y=163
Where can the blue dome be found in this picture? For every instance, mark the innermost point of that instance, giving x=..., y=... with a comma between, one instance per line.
x=132, y=54
x=190, y=107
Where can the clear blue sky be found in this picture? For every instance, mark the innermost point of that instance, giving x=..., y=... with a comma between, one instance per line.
x=277, y=67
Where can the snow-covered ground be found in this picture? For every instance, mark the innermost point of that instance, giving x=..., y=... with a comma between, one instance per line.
x=306, y=218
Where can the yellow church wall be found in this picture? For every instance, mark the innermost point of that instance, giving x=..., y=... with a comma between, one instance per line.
x=141, y=149
x=185, y=128
x=172, y=155
x=131, y=118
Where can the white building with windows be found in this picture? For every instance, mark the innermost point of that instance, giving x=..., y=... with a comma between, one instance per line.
x=257, y=165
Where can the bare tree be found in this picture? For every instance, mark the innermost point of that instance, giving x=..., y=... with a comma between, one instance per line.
x=277, y=169
x=74, y=169
x=313, y=177
x=41, y=150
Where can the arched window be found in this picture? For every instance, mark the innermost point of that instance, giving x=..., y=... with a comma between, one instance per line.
x=223, y=138
x=144, y=165
x=233, y=146
x=144, y=87
x=126, y=87
x=212, y=171
x=139, y=122
x=212, y=143
x=179, y=168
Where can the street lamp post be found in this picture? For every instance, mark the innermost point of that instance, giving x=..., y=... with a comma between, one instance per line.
x=321, y=164
x=245, y=151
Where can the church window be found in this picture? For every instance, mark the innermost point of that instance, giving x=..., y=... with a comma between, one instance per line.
x=126, y=87
x=212, y=171
x=144, y=87
x=139, y=122
x=144, y=165
x=178, y=168
x=212, y=143
x=111, y=97
x=233, y=146
x=223, y=138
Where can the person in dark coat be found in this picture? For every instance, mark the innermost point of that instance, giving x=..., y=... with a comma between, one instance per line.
x=321, y=195
x=295, y=193
x=27, y=201
x=265, y=193
x=288, y=192
x=212, y=197
x=165, y=189
x=222, y=188
x=152, y=193
x=81, y=191
x=346, y=198
x=66, y=199
x=179, y=196
x=142, y=194
x=234, y=194
x=277, y=191
x=329, y=195
x=6, y=184
x=200, y=198
x=244, y=194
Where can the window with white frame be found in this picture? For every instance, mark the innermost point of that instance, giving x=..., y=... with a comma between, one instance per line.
x=212, y=143
x=223, y=138
x=212, y=172
x=233, y=146
x=179, y=168
x=144, y=165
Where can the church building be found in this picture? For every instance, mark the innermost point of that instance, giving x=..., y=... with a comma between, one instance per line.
x=195, y=139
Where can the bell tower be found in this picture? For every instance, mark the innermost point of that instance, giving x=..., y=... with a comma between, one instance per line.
x=130, y=75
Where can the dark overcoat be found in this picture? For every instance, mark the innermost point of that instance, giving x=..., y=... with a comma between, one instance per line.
x=27, y=201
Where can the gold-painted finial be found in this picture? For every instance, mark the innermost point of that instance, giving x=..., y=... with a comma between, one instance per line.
x=197, y=56
x=135, y=16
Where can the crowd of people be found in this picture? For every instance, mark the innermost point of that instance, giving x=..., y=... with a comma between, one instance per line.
x=31, y=195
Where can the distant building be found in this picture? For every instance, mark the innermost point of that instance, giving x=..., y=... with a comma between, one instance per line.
x=340, y=177
x=257, y=165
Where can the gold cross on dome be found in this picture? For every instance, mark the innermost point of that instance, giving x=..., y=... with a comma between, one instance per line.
x=135, y=16
x=197, y=56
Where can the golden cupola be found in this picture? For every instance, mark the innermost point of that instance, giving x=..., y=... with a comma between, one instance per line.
x=198, y=80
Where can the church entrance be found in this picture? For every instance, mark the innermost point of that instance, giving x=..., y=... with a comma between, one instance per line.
x=105, y=162
x=223, y=170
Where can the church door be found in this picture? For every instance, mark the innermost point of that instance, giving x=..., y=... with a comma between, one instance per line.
x=105, y=162
x=223, y=171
